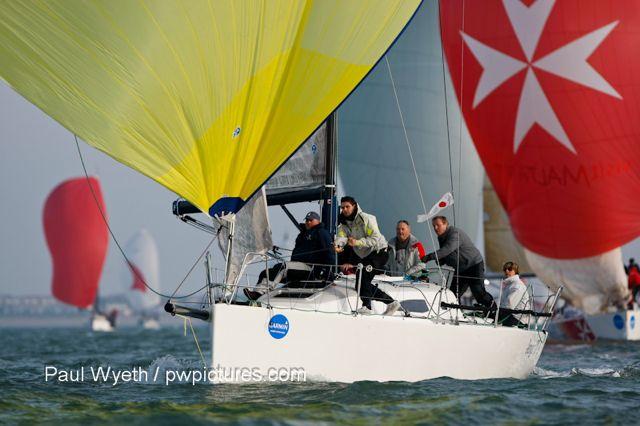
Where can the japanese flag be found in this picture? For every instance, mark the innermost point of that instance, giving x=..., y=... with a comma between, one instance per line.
x=443, y=203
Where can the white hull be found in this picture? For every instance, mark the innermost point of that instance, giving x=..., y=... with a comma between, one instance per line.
x=100, y=323
x=620, y=325
x=342, y=347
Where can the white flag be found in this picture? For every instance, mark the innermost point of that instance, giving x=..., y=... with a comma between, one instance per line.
x=445, y=201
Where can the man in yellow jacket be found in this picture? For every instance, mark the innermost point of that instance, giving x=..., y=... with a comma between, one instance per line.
x=359, y=240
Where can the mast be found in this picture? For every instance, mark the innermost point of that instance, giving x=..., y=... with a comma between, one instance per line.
x=331, y=164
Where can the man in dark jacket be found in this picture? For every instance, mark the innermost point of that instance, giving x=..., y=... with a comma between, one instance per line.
x=313, y=247
x=457, y=250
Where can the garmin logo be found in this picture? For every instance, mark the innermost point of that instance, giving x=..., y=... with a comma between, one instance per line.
x=278, y=326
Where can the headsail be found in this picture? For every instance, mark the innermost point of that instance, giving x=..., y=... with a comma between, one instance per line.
x=143, y=271
x=207, y=99
x=77, y=237
x=550, y=97
x=252, y=234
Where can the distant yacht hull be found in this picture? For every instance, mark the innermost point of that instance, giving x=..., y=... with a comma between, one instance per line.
x=620, y=325
x=347, y=348
x=100, y=323
x=575, y=328
x=150, y=324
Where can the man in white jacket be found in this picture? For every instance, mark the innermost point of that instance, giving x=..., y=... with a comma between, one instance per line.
x=359, y=240
x=514, y=295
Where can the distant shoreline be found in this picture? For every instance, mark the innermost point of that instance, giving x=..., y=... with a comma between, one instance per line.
x=82, y=322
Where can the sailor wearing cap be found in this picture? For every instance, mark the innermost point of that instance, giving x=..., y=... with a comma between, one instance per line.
x=314, y=247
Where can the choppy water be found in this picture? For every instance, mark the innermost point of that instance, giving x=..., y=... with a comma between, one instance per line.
x=572, y=384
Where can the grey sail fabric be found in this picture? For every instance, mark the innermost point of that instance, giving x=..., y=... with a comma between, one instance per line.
x=305, y=169
x=500, y=243
x=374, y=161
x=252, y=234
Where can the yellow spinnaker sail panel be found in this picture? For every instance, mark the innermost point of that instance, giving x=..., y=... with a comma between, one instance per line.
x=208, y=98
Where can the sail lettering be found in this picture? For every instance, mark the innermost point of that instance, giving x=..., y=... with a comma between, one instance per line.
x=566, y=175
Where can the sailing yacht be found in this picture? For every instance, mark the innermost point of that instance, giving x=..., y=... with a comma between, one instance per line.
x=210, y=101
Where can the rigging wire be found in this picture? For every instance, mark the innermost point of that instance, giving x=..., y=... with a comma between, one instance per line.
x=446, y=109
x=115, y=240
x=461, y=103
x=413, y=164
x=406, y=136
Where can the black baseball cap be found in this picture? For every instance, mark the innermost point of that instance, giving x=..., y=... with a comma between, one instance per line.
x=311, y=216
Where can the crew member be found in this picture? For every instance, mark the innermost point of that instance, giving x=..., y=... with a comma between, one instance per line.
x=313, y=247
x=405, y=253
x=514, y=295
x=359, y=241
x=457, y=251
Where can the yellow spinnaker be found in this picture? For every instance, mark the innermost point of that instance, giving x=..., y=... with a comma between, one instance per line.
x=208, y=98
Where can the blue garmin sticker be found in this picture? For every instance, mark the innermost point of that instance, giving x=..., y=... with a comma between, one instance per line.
x=618, y=321
x=632, y=321
x=278, y=326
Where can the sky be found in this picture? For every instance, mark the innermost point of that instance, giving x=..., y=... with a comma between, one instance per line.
x=36, y=154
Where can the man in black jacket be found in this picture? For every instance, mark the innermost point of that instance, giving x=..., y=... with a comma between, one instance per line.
x=457, y=250
x=313, y=247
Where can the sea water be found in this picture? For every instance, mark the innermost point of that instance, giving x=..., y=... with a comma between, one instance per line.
x=586, y=384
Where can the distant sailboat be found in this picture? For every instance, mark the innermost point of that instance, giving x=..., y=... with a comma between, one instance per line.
x=77, y=238
x=143, y=271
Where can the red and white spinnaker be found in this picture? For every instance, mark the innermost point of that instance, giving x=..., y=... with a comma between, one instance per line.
x=549, y=91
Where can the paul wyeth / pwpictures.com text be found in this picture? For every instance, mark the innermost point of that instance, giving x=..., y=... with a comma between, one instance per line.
x=107, y=374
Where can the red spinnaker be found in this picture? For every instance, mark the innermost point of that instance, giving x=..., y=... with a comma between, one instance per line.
x=550, y=92
x=77, y=237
